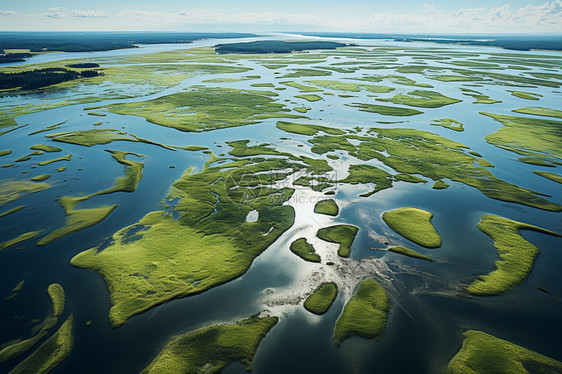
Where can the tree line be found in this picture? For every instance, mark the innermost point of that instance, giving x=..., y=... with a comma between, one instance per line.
x=31, y=79
x=13, y=57
x=275, y=46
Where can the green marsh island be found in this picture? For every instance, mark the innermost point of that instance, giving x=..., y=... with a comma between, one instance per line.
x=178, y=202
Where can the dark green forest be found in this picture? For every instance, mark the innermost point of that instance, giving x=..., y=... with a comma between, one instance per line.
x=37, y=78
x=513, y=42
x=98, y=41
x=13, y=57
x=275, y=46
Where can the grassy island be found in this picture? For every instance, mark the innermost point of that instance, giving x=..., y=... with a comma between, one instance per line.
x=423, y=99
x=11, y=190
x=211, y=349
x=161, y=258
x=552, y=176
x=49, y=354
x=517, y=255
x=409, y=252
x=414, y=224
x=365, y=314
x=419, y=152
x=45, y=148
x=310, y=130
x=484, y=353
x=56, y=294
x=328, y=207
x=344, y=235
x=526, y=135
x=320, y=301
x=385, y=110
x=302, y=248
x=448, y=123
x=207, y=108
x=19, y=347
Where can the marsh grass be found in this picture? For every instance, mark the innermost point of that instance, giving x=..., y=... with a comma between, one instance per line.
x=484, y=353
x=322, y=298
x=210, y=349
x=344, y=235
x=517, y=255
x=365, y=314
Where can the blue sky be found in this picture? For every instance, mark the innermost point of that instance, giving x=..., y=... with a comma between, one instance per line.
x=407, y=16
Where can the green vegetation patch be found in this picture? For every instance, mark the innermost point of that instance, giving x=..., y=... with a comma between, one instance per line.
x=18, y=239
x=440, y=185
x=310, y=130
x=161, y=258
x=409, y=252
x=40, y=178
x=363, y=174
x=527, y=136
x=80, y=219
x=240, y=148
x=77, y=219
x=63, y=158
x=206, y=108
x=448, y=123
x=539, y=111
x=535, y=161
x=414, y=224
x=302, y=248
x=328, y=207
x=484, y=353
x=526, y=95
x=28, y=156
x=56, y=294
x=365, y=314
x=517, y=255
x=396, y=79
x=456, y=78
x=11, y=190
x=49, y=354
x=310, y=97
x=344, y=235
x=45, y=148
x=193, y=148
x=6, y=152
x=348, y=86
x=322, y=298
x=13, y=210
x=211, y=349
x=301, y=87
x=263, y=85
x=19, y=347
x=423, y=99
x=552, y=176
x=385, y=110
x=297, y=73
x=92, y=137
x=418, y=152
x=480, y=98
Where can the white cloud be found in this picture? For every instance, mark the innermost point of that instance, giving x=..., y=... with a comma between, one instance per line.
x=89, y=13
x=205, y=16
x=427, y=18
x=545, y=17
x=54, y=15
x=61, y=12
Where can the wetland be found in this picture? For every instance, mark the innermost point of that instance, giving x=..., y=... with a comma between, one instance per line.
x=283, y=207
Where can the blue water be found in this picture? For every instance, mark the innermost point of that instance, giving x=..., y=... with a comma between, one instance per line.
x=427, y=314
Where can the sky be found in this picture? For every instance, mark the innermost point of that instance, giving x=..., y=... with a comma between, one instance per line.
x=403, y=16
